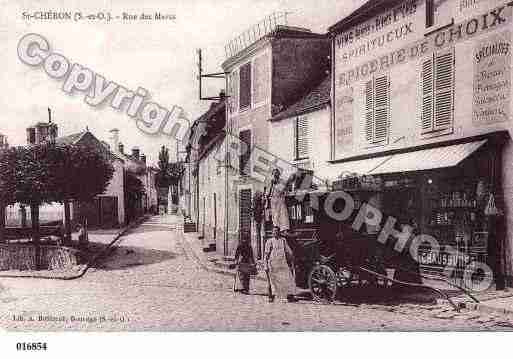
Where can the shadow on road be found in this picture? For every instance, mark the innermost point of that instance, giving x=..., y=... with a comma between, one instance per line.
x=148, y=228
x=124, y=257
x=391, y=296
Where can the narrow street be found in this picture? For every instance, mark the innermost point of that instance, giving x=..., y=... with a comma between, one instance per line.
x=151, y=282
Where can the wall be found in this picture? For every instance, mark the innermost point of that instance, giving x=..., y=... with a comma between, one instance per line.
x=297, y=65
x=116, y=189
x=404, y=126
x=399, y=48
x=282, y=141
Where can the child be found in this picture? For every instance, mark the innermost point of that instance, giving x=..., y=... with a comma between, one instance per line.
x=245, y=264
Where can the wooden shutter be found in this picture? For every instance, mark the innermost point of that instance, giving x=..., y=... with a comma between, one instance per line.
x=377, y=108
x=234, y=91
x=381, y=108
x=302, y=134
x=427, y=95
x=245, y=214
x=245, y=137
x=444, y=84
x=437, y=90
x=245, y=86
x=369, y=111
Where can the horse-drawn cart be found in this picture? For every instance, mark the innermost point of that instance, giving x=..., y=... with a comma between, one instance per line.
x=331, y=255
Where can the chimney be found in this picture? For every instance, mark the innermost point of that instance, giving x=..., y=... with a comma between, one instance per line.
x=135, y=153
x=114, y=137
x=143, y=159
x=121, y=148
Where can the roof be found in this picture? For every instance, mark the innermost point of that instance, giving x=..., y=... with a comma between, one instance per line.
x=363, y=13
x=281, y=31
x=214, y=109
x=70, y=139
x=76, y=137
x=315, y=99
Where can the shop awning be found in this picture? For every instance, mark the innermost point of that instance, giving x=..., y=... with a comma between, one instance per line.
x=361, y=167
x=433, y=158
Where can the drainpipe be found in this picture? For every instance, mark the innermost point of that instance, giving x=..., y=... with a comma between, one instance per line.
x=226, y=223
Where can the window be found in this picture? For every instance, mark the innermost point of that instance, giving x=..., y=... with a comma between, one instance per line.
x=437, y=90
x=377, y=110
x=233, y=91
x=301, y=135
x=245, y=86
x=439, y=13
x=245, y=139
x=430, y=13
x=32, y=135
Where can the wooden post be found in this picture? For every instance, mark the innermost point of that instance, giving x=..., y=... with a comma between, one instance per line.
x=67, y=223
x=34, y=214
x=2, y=223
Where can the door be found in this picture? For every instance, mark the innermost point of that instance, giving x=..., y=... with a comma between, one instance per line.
x=215, y=217
x=245, y=214
x=108, y=211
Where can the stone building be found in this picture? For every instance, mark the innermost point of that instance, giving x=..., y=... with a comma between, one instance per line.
x=266, y=75
x=421, y=98
x=108, y=209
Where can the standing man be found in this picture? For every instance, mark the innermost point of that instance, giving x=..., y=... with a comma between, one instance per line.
x=275, y=202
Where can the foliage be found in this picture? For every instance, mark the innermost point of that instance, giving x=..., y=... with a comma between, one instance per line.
x=48, y=173
x=162, y=178
x=8, y=160
x=82, y=173
x=169, y=172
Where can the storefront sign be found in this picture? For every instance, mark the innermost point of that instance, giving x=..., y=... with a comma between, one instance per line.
x=361, y=35
x=344, y=121
x=492, y=79
x=478, y=25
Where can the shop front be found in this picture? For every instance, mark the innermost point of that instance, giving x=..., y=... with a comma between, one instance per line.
x=451, y=192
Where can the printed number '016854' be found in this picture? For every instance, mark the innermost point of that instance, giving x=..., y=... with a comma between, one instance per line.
x=30, y=346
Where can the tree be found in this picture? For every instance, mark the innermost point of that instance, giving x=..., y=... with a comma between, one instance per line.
x=80, y=173
x=47, y=173
x=162, y=177
x=8, y=158
x=134, y=192
x=169, y=173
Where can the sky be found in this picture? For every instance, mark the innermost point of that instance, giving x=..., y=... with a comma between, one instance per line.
x=159, y=56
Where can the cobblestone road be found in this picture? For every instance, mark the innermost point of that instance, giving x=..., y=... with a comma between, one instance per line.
x=152, y=283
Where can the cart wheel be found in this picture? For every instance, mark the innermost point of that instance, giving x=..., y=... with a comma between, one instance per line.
x=322, y=282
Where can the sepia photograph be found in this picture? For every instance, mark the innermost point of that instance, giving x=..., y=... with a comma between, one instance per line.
x=252, y=167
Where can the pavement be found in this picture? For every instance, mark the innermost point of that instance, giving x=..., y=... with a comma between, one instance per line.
x=99, y=239
x=491, y=301
x=153, y=281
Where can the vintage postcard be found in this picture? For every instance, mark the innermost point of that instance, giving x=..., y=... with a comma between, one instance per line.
x=237, y=165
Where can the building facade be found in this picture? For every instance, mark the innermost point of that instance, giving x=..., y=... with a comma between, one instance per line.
x=421, y=98
x=106, y=210
x=264, y=77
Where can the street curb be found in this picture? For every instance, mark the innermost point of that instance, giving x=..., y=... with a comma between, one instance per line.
x=203, y=263
x=109, y=247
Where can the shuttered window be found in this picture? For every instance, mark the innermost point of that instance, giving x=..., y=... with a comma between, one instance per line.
x=233, y=91
x=377, y=110
x=437, y=88
x=301, y=138
x=245, y=86
x=245, y=138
